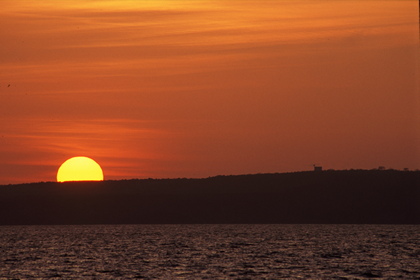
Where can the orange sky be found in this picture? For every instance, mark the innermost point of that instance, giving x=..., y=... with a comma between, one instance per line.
x=201, y=88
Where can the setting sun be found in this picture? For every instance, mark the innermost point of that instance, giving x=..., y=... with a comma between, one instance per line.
x=79, y=169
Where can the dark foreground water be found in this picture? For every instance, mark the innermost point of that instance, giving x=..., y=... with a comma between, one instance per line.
x=210, y=252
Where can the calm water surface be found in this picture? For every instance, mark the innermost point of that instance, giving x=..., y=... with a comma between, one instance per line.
x=210, y=252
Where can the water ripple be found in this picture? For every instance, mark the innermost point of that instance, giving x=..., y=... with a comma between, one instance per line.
x=210, y=251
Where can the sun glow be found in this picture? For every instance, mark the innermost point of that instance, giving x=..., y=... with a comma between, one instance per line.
x=80, y=169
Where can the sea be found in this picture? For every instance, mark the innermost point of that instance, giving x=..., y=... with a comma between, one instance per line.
x=246, y=251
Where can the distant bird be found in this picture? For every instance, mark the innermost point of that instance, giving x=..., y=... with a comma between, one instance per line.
x=8, y=85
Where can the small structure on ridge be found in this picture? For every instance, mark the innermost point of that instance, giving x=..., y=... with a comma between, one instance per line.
x=317, y=168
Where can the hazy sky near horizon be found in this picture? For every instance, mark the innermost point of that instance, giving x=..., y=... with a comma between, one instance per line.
x=200, y=88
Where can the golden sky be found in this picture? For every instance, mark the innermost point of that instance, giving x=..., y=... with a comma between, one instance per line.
x=200, y=88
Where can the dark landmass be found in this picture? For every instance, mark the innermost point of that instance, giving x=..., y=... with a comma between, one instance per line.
x=354, y=196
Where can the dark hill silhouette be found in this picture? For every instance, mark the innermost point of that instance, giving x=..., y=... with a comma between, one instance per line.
x=354, y=196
